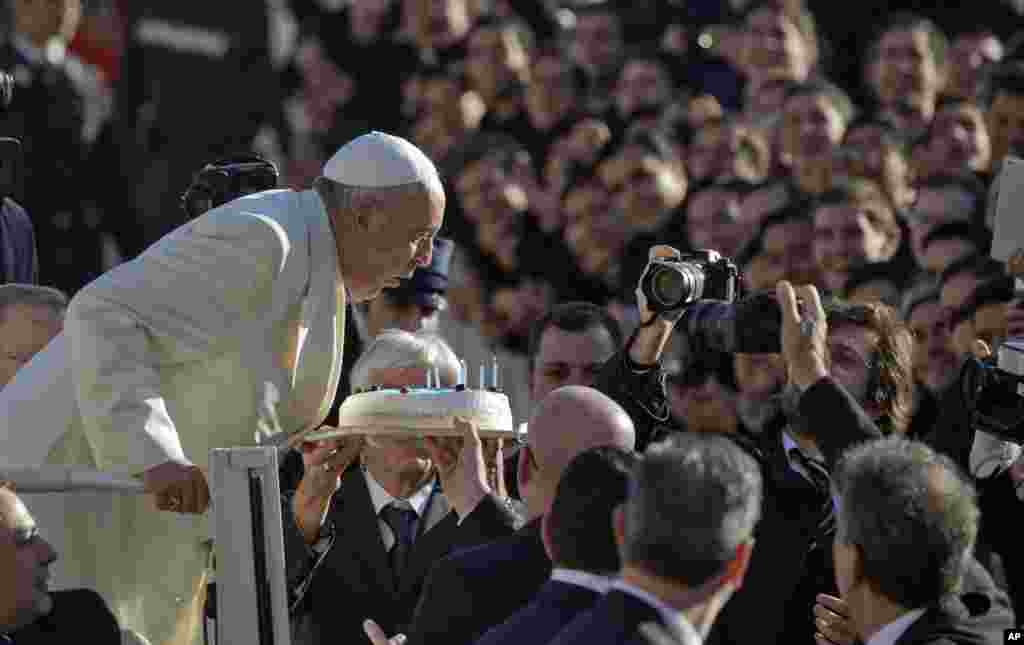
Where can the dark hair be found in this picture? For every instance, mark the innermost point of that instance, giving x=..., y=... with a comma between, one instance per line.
x=927, y=293
x=967, y=182
x=579, y=523
x=891, y=380
x=839, y=99
x=912, y=516
x=958, y=230
x=872, y=272
x=575, y=318
x=696, y=498
x=938, y=44
x=978, y=265
x=792, y=212
x=1007, y=78
x=991, y=292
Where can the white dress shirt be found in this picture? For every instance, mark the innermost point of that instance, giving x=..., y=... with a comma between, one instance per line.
x=381, y=498
x=681, y=628
x=594, y=582
x=891, y=633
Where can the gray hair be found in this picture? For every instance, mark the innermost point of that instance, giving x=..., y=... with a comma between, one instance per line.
x=911, y=513
x=394, y=348
x=695, y=499
x=35, y=296
x=345, y=198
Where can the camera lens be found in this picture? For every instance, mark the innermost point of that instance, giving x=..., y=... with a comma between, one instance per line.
x=672, y=286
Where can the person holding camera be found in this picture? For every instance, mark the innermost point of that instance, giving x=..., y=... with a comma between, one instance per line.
x=849, y=379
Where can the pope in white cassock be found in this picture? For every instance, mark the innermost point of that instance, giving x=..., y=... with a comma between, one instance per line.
x=174, y=353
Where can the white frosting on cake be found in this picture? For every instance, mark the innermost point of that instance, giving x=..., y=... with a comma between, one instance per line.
x=430, y=411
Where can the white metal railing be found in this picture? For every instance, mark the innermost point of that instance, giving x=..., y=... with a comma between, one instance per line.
x=251, y=592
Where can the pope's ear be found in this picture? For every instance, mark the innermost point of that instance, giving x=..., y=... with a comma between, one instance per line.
x=366, y=210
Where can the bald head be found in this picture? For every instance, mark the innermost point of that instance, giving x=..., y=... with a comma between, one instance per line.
x=572, y=419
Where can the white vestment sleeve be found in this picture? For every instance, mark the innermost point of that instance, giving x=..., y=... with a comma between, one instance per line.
x=181, y=301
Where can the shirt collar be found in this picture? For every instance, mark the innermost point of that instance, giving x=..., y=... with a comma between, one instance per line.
x=592, y=581
x=381, y=498
x=674, y=619
x=892, y=632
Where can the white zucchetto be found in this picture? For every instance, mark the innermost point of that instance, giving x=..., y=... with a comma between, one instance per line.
x=379, y=160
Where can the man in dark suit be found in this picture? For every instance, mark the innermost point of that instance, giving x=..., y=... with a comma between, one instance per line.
x=371, y=515
x=577, y=534
x=47, y=115
x=467, y=593
x=906, y=525
x=30, y=614
x=700, y=486
x=19, y=261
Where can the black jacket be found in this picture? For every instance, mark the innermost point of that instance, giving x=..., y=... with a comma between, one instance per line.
x=469, y=592
x=555, y=606
x=78, y=616
x=353, y=572
x=614, y=619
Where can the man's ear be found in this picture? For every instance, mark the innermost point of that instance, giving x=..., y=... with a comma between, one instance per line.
x=366, y=210
x=736, y=570
x=524, y=473
x=619, y=526
x=545, y=536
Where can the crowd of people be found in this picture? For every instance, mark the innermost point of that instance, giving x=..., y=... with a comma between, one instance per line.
x=844, y=159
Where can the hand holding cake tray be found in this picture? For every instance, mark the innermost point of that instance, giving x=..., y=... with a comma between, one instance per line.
x=427, y=411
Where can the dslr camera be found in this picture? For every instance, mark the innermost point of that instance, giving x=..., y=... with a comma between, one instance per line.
x=227, y=179
x=715, y=318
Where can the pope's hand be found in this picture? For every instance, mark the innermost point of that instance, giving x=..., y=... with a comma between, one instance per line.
x=178, y=487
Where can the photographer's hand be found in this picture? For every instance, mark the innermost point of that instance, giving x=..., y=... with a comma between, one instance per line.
x=804, y=334
x=655, y=330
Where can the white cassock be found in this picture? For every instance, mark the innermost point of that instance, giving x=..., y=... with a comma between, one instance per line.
x=169, y=356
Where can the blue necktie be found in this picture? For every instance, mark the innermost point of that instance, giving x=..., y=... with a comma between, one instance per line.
x=402, y=522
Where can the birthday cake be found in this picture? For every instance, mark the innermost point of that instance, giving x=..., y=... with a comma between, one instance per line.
x=422, y=412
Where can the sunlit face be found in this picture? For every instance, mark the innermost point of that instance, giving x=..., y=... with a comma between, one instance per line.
x=642, y=83
x=494, y=59
x=775, y=45
x=936, y=206
x=597, y=40
x=851, y=357
x=398, y=241
x=712, y=221
x=907, y=70
x=24, y=331
x=644, y=188
x=33, y=555
x=845, y=238
x=787, y=253
x=569, y=358
x=1006, y=125
x=968, y=57
x=812, y=126
x=960, y=139
x=935, y=362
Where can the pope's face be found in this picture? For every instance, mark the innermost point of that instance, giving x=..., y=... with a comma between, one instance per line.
x=398, y=237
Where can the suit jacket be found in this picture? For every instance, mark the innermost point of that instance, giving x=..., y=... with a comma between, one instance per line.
x=469, y=592
x=18, y=259
x=972, y=618
x=79, y=615
x=789, y=565
x=615, y=619
x=556, y=605
x=355, y=573
x=229, y=326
